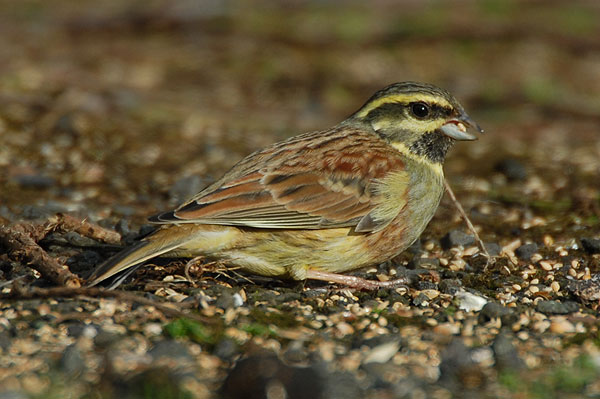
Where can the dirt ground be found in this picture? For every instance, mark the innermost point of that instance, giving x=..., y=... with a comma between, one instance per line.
x=112, y=112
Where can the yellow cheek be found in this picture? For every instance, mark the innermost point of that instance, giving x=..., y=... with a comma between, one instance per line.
x=435, y=167
x=409, y=124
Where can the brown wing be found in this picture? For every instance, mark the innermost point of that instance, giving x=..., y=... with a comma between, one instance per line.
x=325, y=179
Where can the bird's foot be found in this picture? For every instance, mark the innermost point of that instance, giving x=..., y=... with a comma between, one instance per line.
x=355, y=282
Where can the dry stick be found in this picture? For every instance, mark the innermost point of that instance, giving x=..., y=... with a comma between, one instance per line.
x=463, y=214
x=67, y=292
x=21, y=247
x=20, y=242
x=64, y=223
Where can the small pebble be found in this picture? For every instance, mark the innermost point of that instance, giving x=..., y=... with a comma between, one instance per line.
x=526, y=251
x=456, y=238
x=34, y=181
x=505, y=353
x=153, y=329
x=560, y=325
x=493, y=310
x=470, y=302
x=170, y=349
x=457, y=361
x=382, y=353
x=511, y=246
x=447, y=329
x=72, y=361
x=450, y=286
x=344, y=328
x=425, y=285
x=556, y=307
x=421, y=300
x=237, y=300
x=591, y=245
x=431, y=293
x=493, y=248
x=512, y=168
x=226, y=349
x=536, y=258
x=534, y=289
x=417, y=263
x=225, y=300
x=5, y=340
x=588, y=290
x=572, y=272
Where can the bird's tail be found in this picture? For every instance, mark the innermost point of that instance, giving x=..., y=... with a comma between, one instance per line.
x=158, y=243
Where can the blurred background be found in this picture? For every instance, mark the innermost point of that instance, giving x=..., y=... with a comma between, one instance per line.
x=130, y=106
x=115, y=110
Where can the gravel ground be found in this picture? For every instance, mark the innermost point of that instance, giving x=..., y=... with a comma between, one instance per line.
x=111, y=113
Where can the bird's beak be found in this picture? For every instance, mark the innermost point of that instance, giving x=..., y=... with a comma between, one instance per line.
x=457, y=128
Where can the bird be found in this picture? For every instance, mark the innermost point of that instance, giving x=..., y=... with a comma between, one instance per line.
x=324, y=203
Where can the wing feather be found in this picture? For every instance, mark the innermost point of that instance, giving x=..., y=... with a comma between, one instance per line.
x=295, y=186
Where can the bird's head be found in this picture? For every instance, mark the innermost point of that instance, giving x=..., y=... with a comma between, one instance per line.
x=417, y=117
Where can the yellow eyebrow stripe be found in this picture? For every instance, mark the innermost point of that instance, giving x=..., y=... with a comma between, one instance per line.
x=403, y=98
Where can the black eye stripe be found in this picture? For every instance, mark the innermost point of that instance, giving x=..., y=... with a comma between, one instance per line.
x=435, y=110
x=391, y=108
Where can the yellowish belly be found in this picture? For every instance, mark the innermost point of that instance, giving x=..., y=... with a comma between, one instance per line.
x=289, y=253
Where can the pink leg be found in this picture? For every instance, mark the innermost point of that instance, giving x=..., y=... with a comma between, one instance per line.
x=354, y=282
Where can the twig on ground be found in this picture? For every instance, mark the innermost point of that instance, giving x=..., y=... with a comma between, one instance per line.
x=197, y=261
x=19, y=242
x=463, y=214
x=64, y=223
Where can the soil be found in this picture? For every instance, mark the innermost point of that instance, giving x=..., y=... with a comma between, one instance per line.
x=112, y=112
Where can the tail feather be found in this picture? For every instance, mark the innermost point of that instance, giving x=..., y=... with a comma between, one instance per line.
x=155, y=245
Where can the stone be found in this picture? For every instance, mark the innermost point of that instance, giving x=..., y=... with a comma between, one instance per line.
x=72, y=361
x=456, y=238
x=557, y=307
x=512, y=168
x=591, y=245
x=526, y=251
x=505, y=353
x=492, y=310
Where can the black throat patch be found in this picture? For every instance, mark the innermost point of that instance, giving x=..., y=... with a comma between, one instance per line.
x=433, y=145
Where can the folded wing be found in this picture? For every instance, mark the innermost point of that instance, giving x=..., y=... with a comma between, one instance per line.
x=303, y=188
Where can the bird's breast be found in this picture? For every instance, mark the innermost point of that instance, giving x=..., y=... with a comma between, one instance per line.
x=418, y=205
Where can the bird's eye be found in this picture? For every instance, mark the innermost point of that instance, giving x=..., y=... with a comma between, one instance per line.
x=420, y=110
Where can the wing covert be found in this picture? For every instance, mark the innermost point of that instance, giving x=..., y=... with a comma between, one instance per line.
x=299, y=187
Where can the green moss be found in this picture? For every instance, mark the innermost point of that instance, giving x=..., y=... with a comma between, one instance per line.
x=450, y=310
x=574, y=378
x=564, y=379
x=580, y=338
x=401, y=321
x=156, y=384
x=258, y=329
x=186, y=328
x=279, y=319
x=512, y=380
